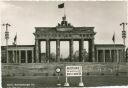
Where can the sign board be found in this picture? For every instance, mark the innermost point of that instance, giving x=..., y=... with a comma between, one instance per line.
x=73, y=70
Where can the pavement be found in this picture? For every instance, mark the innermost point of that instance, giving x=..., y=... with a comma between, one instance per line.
x=52, y=81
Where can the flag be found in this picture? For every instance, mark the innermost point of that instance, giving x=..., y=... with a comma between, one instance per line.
x=61, y=5
x=113, y=38
x=15, y=39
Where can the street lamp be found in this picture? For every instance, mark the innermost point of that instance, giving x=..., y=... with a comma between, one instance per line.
x=7, y=38
x=124, y=36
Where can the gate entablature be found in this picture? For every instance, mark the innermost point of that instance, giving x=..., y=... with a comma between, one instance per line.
x=64, y=31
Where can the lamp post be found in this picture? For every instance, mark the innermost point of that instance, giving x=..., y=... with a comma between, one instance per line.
x=123, y=32
x=7, y=38
x=58, y=69
x=124, y=36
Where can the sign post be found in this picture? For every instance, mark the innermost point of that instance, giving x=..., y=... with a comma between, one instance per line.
x=58, y=76
x=74, y=71
x=81, y=82
x=66, y=83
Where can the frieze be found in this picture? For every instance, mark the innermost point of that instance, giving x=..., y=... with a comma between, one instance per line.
x=64, y=28
x=65, y=36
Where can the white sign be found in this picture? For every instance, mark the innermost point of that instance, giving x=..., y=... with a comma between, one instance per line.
x=73, y=70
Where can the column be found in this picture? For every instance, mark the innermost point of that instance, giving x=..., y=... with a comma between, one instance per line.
x=58, y=50
x=48, y=50
x=122, y=59
x=97, y=55
x=26, y=56
x=117, y=52
x=91, y=51
x=103, y=55
x=19, y=56
x=37, y=51
x=13, y=56
x=81, y=48
x=16, y=56
x=110, y=55
x=32, y=56
x=71, y=50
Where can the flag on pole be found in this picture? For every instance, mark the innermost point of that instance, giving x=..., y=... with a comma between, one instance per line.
x=113, y=38
x=15, y=39
x=61, y=5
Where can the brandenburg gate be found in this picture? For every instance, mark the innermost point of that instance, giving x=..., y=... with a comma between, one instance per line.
x=64, y=31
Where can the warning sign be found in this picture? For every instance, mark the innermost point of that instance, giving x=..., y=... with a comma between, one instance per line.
x=73, y=70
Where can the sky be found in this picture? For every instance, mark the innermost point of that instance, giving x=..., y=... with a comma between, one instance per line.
x=25, y=15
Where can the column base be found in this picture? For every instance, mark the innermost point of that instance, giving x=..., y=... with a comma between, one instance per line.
x=58, y=84
x=66, y=84
x=81, y=84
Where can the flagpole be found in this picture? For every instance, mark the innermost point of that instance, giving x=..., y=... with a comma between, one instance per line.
x=114, y=48
x=117, y=66
x=64, y=10
x=16, y=49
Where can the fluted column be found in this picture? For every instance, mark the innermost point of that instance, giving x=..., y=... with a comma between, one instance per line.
x=117, y=52
x=110, y=55
x=37, y=50
x=81, y=47
x=91, y=51
x=97, y=55
x=71, y=50
x=13, y=56
x=103, y=55
x=58, y=50
x=26, y=57
x=19, y=56
x=32, y=56
x=48, y=49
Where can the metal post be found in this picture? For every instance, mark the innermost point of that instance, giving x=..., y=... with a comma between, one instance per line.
x=66, y=83
x=58, y=78
x=81, y=82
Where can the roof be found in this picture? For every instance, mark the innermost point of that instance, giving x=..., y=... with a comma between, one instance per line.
x=109, y=44
x=19, y=46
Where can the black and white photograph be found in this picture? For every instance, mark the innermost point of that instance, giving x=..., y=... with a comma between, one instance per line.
x=64, y=44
